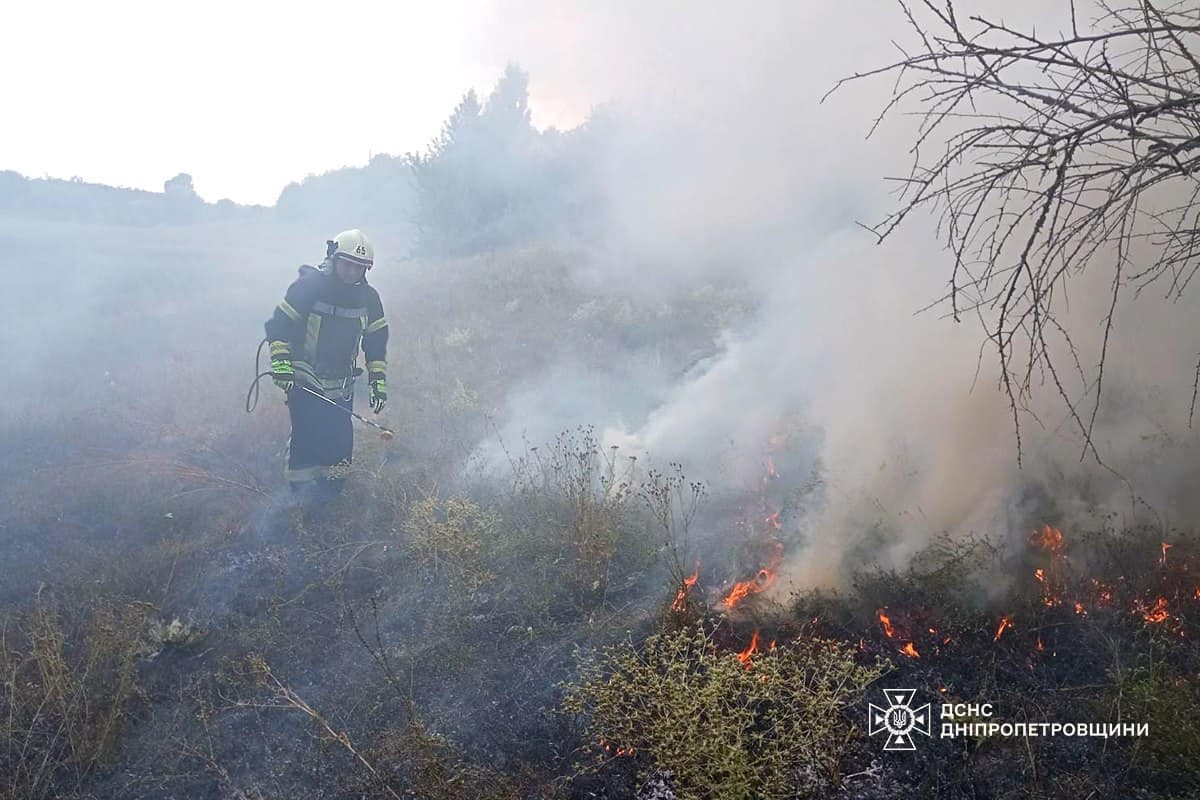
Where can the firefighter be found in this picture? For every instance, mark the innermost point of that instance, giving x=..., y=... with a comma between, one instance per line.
x=315, y=334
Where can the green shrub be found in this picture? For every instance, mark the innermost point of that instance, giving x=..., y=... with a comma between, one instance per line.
x=723, y=728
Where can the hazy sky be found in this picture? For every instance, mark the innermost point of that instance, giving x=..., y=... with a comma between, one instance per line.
x=246, y=96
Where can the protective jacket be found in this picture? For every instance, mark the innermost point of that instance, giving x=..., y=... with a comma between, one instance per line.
x=320, y=325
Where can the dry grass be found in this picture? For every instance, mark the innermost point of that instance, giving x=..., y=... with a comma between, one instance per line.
x=68, y=678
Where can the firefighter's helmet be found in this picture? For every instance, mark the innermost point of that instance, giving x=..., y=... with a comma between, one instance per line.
x=353, y=246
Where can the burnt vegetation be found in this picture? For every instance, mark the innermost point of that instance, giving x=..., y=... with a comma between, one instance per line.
x=537, y=640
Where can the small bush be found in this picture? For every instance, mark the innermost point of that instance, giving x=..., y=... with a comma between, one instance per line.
x=452, y=538
x=573, y=530
x=723, y=728
x=431, y=767
x=583, y=495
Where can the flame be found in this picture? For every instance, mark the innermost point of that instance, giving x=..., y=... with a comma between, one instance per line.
x=1158, y=613
x=1040, y=646
x=1048, y=538
x=1197, y=594
x=761, y=580
x=886, y=621
x=744, y=589
x=1005, y=623
x=744, y=656
x=1103, y=593
x=771, y=471
x=1162, y=561
x=773, y=521
x=680, y=603
x=1049, y=598
x=910, y=651
x=617, y=750
x=1079, y=609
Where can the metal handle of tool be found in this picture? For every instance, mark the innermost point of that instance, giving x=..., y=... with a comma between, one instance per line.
x=387, y=432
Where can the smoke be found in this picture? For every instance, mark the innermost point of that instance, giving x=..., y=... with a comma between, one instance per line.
x=736, y=166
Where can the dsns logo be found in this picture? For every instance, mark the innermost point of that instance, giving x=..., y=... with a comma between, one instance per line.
x=899, y=720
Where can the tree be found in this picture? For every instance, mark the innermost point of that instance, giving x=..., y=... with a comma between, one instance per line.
x=479, y=182
x=179, y=186
x=1054, y=154
x=444, y=214
x=460, y=128
x=507, y=108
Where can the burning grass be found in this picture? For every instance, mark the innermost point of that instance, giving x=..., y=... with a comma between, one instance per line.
x=1068, y=626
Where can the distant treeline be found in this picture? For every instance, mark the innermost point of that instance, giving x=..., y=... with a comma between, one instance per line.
x=77, y=201
x=489, y=180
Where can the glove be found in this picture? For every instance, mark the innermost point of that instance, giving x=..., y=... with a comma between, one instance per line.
x=378, y=394
x=282, y=373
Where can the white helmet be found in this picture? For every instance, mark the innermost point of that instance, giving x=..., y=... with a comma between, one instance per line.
x=353, y=246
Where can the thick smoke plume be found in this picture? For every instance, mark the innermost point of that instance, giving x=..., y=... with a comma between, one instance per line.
x=740, y=168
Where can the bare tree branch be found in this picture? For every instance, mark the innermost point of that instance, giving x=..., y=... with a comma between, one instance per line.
x=1056, y=153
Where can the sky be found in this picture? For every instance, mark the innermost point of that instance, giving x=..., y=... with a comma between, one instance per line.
x=244, y=96
x=249, y=96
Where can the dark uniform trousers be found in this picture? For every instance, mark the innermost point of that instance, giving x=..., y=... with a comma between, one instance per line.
x=322, y=437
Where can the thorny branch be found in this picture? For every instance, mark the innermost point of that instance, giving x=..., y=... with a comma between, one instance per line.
x=1060, y=153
